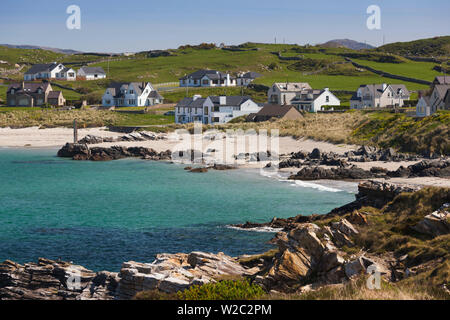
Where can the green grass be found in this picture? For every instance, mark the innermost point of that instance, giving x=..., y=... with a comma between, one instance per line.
x=412, y=69
x=437, y=46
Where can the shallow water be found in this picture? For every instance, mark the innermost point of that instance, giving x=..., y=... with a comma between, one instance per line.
x=100, y=214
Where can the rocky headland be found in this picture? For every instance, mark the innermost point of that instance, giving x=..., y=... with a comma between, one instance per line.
x=400, y=231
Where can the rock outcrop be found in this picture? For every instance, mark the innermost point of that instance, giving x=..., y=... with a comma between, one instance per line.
x=435, y=224
x=78, y=151
x=173, y=272
x=55, y=280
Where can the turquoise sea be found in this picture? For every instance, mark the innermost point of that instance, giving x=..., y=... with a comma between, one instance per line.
x=100, y=214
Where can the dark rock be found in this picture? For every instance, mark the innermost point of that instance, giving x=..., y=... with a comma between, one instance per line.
x=315, y=154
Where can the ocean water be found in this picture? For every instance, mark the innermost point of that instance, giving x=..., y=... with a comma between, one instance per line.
x=100, y=214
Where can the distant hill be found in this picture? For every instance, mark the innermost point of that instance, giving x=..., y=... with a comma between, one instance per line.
x=26, y=46
x=437, y=46
x=346, y=43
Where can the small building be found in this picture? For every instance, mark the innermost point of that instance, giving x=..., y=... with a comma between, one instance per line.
x=30, y=94
x=313, y=100
x=214, y=109
x=244, y=79
x=379, y=96
x=271, y=111
x=437, y=100
x=423, y=107
x=56, y=98
x=91, y=73
x=49, y=71
x=208, y=78
x=284, y=93
x=133, y=94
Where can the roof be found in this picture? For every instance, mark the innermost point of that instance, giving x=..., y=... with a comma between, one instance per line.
x=30, y=87
x=155, y=94
x=115, y=87
x=54, y=94
x=292, y=86
x=229, y=100
x=250, y=75
x=442, y=80
x=275, y=110
x=37, y=68
x=191, y=103
x=376, y=90
x=441, y=89
x=212, y=74
x=93, y=70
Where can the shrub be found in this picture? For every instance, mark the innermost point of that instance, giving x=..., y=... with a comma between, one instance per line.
x=223, y=290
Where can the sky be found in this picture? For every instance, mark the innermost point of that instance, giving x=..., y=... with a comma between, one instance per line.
x=137, y=25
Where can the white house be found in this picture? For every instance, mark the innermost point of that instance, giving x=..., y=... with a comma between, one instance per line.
x=379, y=96
x=91, y=73
x=423, y=107
x=49, y=71
x=214, y=109
x=313, y=100
x=437, y=100
x=208, y=78
x=284, y=93
x=133, y=94
x=244, y=79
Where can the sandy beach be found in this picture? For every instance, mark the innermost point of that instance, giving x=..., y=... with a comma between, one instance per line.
x=34, y=137
x=41, y=138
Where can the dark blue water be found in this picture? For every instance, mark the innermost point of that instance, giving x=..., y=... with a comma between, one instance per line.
x=100, y=214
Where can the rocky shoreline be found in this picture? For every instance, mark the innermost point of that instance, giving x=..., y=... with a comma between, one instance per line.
x=312, y=252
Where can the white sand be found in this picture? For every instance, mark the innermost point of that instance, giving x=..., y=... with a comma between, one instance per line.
x=40, y=138
x=56, y=137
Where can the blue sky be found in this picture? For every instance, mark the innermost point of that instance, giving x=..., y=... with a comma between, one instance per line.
x=135, y=25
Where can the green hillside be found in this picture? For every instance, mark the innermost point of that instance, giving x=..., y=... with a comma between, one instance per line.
x=321, y=67
x=432, y=47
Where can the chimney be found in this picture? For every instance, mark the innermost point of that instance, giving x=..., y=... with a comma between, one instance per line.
x=384, y=86
x=228, y=79
x=223, y=100
x=23, y=85
x=196, y=96
x=326, y=89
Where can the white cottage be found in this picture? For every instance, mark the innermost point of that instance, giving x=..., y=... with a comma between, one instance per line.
x=313, y=100
x=214, y=109
x=208, y=78
x=91, y=73
x=379, y=96
x=49, y=71
x=133, y=94
x=284, y=93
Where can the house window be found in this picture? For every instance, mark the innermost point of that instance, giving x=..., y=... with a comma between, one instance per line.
x=215, y=119
x=131, y=91
x=327, y=99
x=206, y=111
x=205, y=82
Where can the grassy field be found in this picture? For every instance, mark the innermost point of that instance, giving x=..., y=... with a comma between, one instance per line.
x=412, y=69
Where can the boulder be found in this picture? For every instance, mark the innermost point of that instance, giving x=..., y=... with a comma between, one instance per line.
x=436, y=223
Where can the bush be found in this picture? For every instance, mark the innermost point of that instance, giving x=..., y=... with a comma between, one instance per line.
x=223, y=290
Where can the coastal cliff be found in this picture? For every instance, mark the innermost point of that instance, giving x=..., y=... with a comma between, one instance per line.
x=401, y=232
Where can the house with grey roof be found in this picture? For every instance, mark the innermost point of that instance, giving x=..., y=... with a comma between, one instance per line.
x=208, y=78
x=312, y=100
x=214, y=109
x=379, y=96
x=244, y=79
x=437, y=100
x=132, y=94
x=284, y=92
x=33, y=94
x=91, y=73
x=52, y=70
